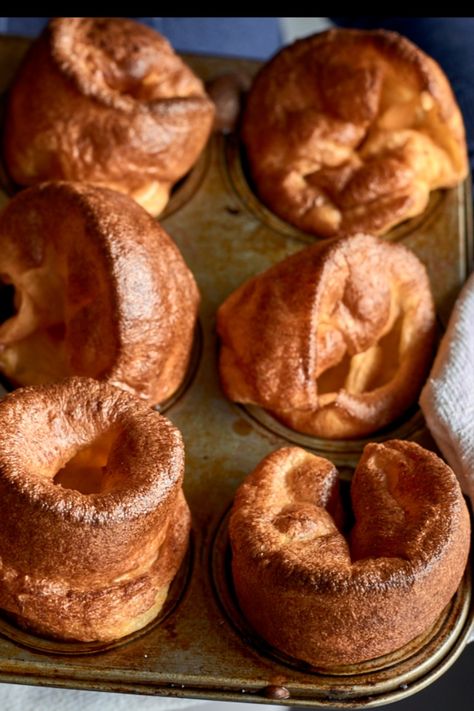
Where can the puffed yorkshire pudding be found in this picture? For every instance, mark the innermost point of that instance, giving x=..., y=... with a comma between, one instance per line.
x=335, y=341
x=107, y=101
x=328, y=600
x=97, y=523
x=348, y=131
x=99, y=289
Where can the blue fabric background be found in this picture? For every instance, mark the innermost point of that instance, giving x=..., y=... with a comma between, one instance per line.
x=257, y=37
x=448, y=39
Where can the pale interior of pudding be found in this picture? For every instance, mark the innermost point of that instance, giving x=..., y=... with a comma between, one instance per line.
x=85, y=471
x=32, y=332
x=37, y=359
x=58, y=325
x=408, y=127
x=409, y=124
x=402, y=106
x=366, y=371
x=152, y=195
x=403, y=110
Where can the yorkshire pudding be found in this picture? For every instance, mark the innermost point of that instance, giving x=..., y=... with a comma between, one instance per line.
x=96, y=524
x=99, y=289
x=348, y=131
x=328, y=600
x=335, y=341
x=107, y=101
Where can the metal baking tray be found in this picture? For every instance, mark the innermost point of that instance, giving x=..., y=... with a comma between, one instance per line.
x=201, y=646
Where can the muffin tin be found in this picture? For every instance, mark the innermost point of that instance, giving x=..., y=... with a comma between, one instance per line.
x=201, y=646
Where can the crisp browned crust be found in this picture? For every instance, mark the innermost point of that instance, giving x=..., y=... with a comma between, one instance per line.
x=335, y=341
x=329, y=600
x=350, y=130
x=101, y=290
x=106, y=100
x=92, y=566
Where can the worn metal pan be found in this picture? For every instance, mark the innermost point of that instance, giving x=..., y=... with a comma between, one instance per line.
x=201, y=646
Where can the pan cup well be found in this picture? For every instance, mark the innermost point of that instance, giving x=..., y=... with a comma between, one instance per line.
x=92, y=479
x=240, y=178
x=383, y=677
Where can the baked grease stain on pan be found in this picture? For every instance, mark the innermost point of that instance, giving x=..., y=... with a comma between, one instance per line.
x=345, y=451
x=348, y=682
x=239, y=174
x=177, y=589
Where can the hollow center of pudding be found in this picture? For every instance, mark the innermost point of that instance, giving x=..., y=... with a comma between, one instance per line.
x=8, y=299
x=365, y=371
x=63, y=323
x=85, y=472
x=32, y=326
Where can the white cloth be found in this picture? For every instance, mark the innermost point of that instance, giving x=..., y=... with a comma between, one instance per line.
x=16, y=697
x=447, y=400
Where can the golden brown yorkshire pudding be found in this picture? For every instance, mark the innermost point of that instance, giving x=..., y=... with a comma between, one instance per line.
x=99, y=289
x=107, y=101
x=97, y=523
x=350, y=130
x=335, y=341
x=330, y=600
